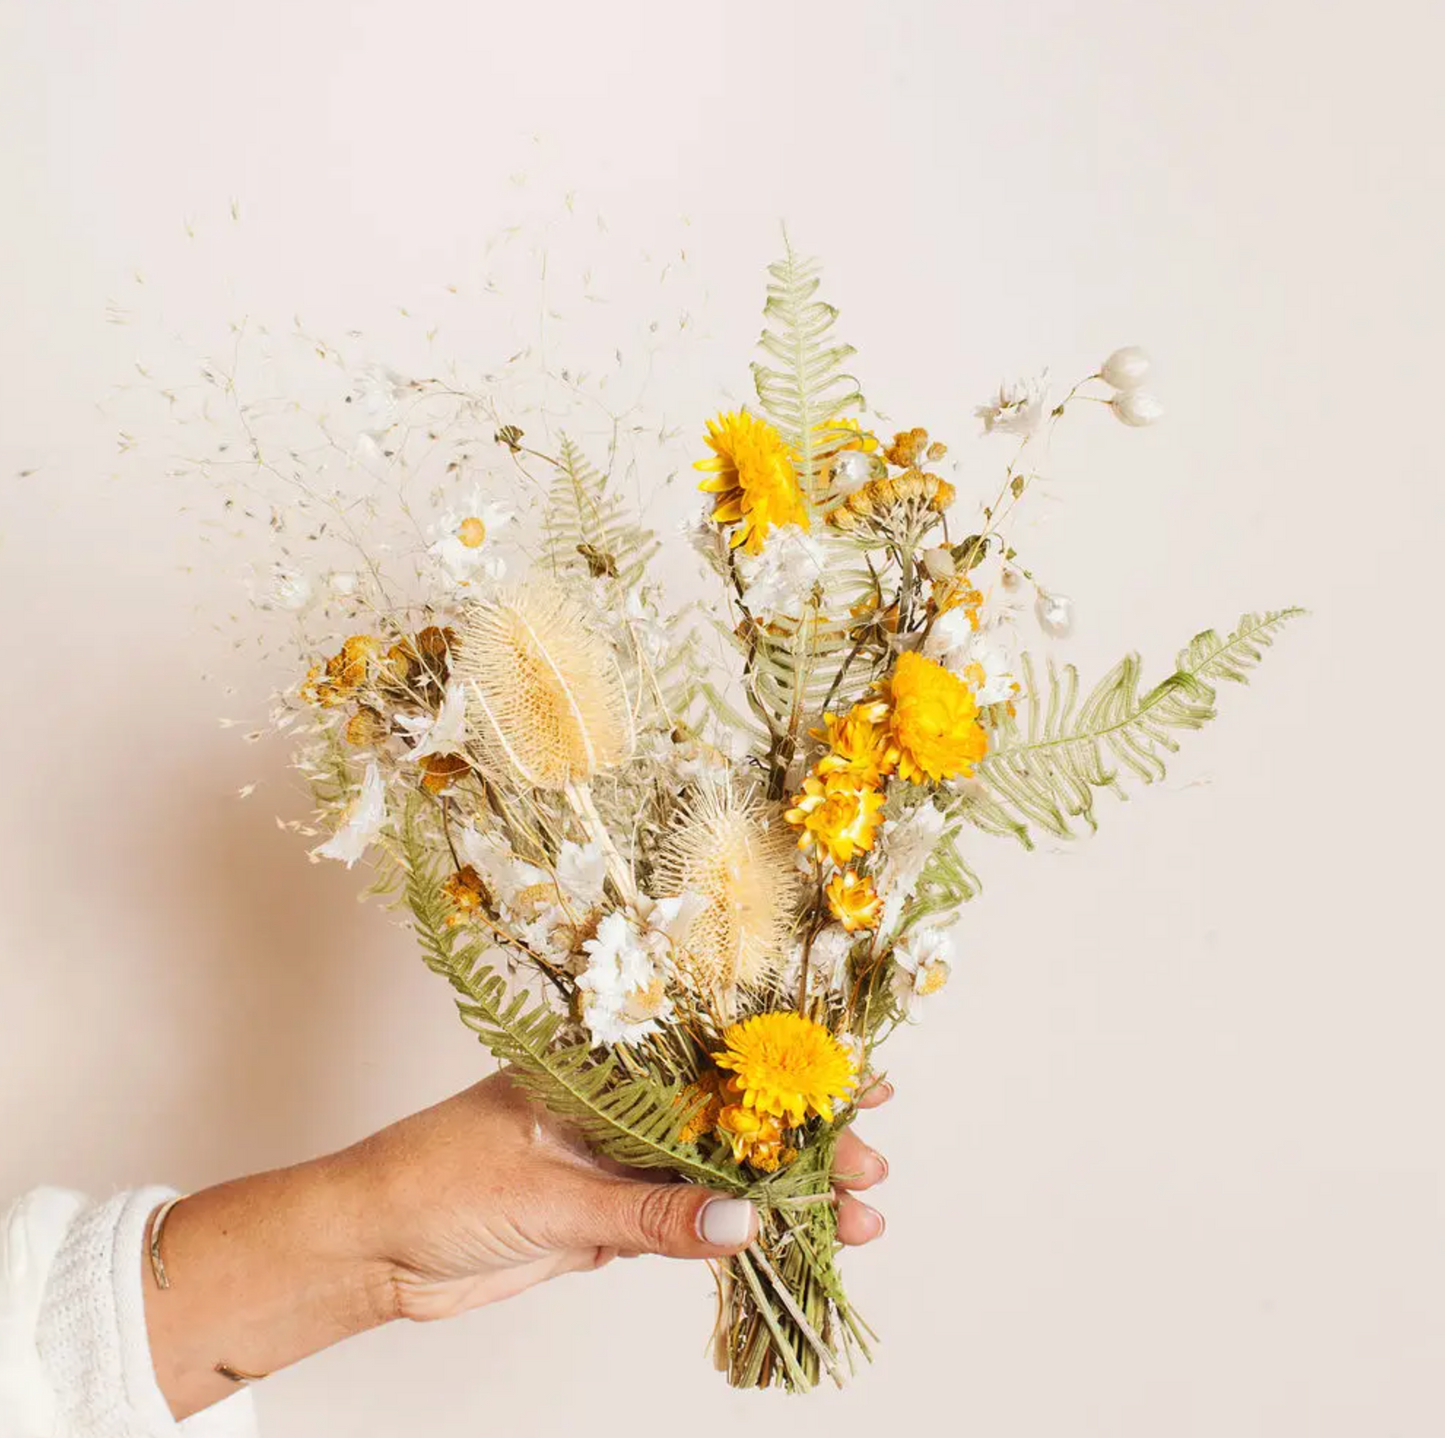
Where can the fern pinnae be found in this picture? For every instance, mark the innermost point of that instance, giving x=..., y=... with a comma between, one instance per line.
x=1046, y=776
x=810, y=387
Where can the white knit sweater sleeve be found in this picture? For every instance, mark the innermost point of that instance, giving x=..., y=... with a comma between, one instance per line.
x=74, y=1357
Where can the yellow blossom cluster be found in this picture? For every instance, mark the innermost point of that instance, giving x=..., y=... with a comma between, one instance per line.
x=923, y=726
x=885, y=493
x=343, y=674
x=774, y=1072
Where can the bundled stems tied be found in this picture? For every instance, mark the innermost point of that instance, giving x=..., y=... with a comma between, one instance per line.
x=785, y=1319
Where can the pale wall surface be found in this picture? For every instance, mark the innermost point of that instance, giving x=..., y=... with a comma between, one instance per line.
x=1167, y=1159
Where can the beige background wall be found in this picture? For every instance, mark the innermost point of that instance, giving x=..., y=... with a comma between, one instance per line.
x=1167, y=1158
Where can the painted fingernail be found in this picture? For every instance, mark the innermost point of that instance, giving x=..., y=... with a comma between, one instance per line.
x=725, y=1222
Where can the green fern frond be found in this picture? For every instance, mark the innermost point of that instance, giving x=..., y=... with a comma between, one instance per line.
x=587, y=530
x=1043, y=769
x=808, y=386
x=633, y=1118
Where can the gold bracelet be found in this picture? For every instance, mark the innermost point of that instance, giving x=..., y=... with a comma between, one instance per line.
x=158, y=1269
x=158, y=1220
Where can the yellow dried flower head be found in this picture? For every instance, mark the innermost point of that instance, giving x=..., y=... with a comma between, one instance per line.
x=853, y=901
x=465, y=891
x=857, y=745
x=755, y=1138
x=908, y=447
x=735, y=854
x=545, y=698
x=345, y=672
x=839, y=814
x=441, y=771
x=933, y=720
x=787, y=1066
x=366, y=727
x=703, y=1097
x=753, y=477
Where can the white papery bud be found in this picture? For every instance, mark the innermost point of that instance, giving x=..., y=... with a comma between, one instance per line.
x=1136, y=407
x=939, y=562
x=1055, y=613
x=1126, y=368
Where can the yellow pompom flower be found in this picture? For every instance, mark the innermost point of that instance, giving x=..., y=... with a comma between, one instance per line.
x=752, y=475
x=858, y=745
x=787, y=1066
x=853, y=901
x=838, y=814
x=933, y=721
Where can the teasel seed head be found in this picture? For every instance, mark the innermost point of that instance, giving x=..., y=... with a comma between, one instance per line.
x=736, y=854
x=545, y=698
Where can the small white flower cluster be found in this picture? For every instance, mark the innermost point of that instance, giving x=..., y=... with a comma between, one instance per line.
x=906, y=844
x=1018, y=409
x=780, y=581
x=624, y=985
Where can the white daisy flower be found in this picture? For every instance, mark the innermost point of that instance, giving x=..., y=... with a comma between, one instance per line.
x=922, y=964
x=1020, y=408
x=464, y=539
x=779, y=580
x=364, y=819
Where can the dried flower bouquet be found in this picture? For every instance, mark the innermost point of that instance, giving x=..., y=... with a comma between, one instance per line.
x=687, y=901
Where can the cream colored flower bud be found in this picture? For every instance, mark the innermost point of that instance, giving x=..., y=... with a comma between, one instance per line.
x=1136, y=407
x=938, y=562
x=1055, y=613
x=1126, y=368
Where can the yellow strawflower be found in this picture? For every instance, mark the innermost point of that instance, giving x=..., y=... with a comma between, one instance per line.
x=853, y=901
x=755, y=1138
x=787, y=1066
x=857, y=745
x=933, y=721
x=839, y=814
x=752, y=475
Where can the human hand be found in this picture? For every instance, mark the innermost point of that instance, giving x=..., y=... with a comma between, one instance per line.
x=487, y=1193
x=463, y=1204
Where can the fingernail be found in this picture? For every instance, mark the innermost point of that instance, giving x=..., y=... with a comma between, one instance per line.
x=726, y=1222
x=882, y=1164
x=879, y=1222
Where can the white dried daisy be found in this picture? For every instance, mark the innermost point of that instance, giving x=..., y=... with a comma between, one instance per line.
x=923, y=962
x=464, y=540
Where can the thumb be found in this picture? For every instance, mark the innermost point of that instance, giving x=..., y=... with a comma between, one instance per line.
x=678, y=1220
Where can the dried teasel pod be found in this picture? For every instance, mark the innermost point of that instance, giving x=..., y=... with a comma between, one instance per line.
x=735, y=854
x=546, y=703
